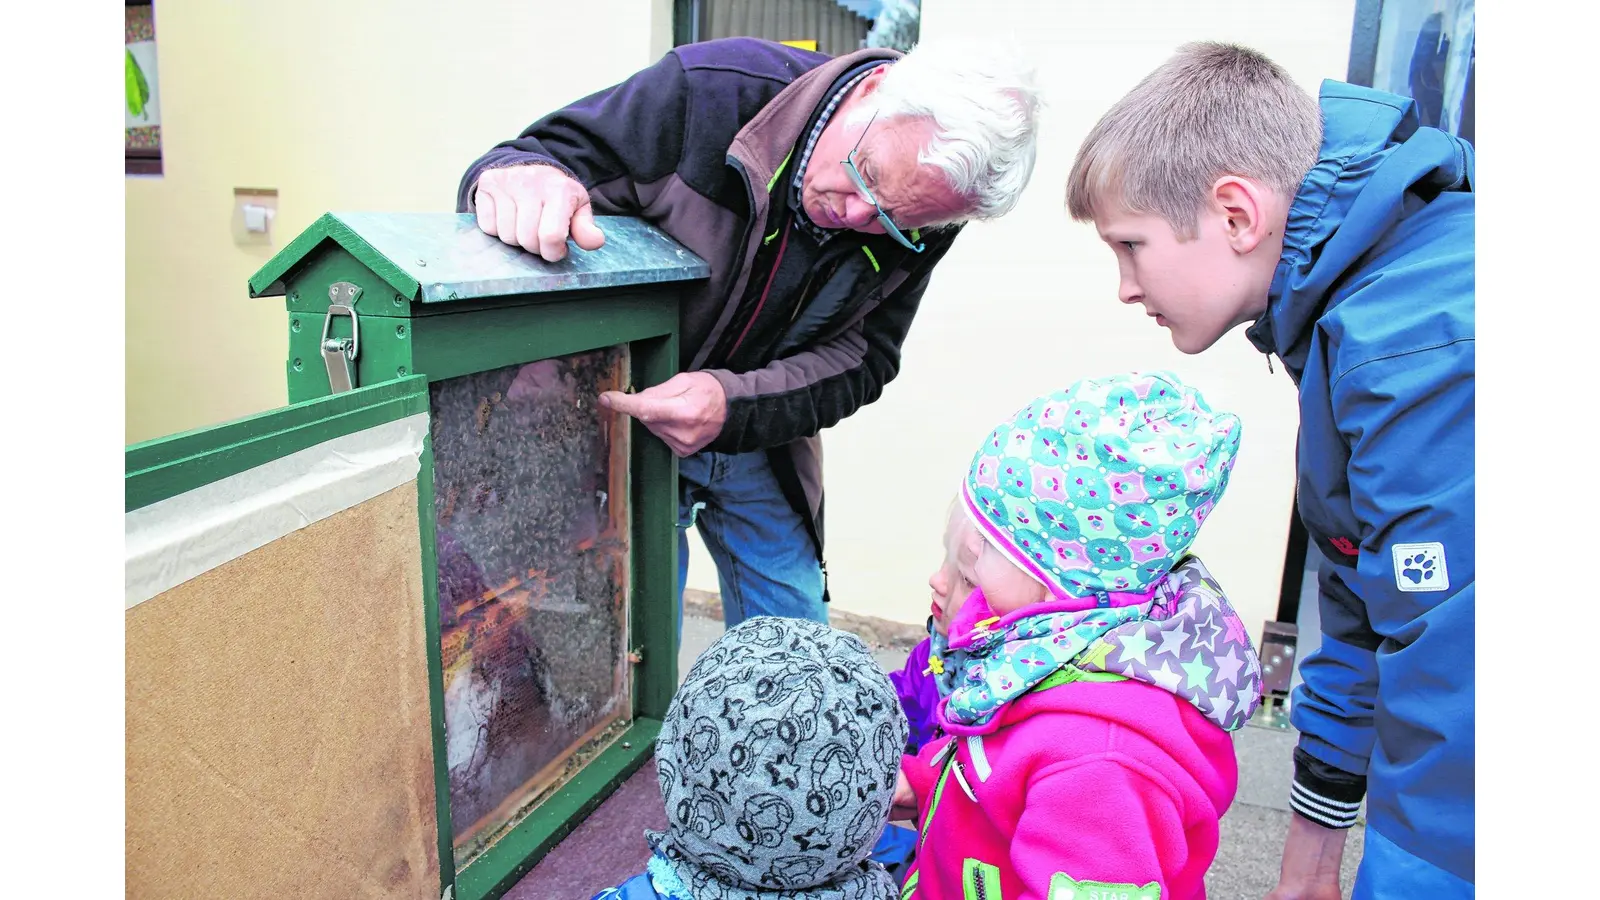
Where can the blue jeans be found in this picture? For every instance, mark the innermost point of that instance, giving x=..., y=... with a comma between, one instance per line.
x=766, y=562
x=895, y=850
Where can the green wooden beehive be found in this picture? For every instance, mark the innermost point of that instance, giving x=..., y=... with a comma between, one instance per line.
x=549, y=557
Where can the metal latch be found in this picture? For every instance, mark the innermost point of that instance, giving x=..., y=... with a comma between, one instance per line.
x=339, y=354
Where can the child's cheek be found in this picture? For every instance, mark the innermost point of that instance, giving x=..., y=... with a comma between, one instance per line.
x=941, y=624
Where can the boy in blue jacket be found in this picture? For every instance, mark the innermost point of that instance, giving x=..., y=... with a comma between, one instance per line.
x=1344, y=232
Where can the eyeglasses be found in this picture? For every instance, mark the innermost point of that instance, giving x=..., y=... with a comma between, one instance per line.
x=861, y=183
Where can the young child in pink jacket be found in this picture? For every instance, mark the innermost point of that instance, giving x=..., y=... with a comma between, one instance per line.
x=1094, y=669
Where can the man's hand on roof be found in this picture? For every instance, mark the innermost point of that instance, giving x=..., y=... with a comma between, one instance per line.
x=536, y=207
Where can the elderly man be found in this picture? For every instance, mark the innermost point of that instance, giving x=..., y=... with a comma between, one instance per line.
x=822, y=191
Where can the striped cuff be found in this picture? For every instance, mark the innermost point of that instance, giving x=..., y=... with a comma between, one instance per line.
x=1324, y=811
x=1326, y=795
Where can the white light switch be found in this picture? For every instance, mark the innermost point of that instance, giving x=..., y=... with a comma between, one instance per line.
x=253, y=212
x=257, y=218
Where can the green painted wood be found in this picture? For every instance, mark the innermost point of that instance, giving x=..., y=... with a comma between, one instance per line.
x=168, y=466
x=662, y=294
x=308, y=285
x=501, y=866
x=427, y=517
x=385, y=352
x=268, y=281
x=401, y=337
x=476, y=341
x=655, y=543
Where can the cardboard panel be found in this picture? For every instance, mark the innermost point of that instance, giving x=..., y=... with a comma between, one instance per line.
x=278, y=742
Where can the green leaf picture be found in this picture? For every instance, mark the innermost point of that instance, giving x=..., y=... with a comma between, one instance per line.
x=138, y=88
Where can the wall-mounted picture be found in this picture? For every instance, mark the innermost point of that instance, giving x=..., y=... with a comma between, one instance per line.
x=142, y=112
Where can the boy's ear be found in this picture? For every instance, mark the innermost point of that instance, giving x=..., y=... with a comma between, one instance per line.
x=1242, y=205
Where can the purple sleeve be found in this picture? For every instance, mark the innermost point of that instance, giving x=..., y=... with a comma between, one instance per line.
x=919, y=696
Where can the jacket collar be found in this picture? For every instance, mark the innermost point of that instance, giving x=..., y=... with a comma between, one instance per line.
x=1362, y=128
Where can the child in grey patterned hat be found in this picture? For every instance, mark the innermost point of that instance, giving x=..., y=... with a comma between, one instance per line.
x=777, y=762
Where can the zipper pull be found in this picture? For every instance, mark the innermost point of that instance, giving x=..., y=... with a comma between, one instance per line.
x=961, y=779
x=1269, y=364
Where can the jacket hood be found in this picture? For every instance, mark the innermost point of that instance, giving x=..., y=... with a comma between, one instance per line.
x=777, y=760
x=1192, y=644
x=1375, y=165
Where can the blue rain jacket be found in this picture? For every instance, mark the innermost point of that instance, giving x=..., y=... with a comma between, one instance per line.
x=1372, y=312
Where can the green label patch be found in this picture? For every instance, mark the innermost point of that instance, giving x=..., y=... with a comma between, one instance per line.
x=1063, y=887
x=979, y=881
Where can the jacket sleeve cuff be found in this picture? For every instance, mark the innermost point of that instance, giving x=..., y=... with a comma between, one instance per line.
x=501, y=158
x=740, y=433
x=523, y=158
x=1329, y=796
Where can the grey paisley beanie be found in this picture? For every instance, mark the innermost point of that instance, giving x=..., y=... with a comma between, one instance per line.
x=777, y=762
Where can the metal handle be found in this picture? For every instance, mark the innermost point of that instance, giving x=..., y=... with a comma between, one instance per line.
x=339, y=354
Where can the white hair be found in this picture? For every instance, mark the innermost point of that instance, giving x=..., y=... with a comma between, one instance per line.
x=984, y=106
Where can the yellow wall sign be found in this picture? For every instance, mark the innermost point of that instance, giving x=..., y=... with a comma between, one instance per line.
x=803, y=45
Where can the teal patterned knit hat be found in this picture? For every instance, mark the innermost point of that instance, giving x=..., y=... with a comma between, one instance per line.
x=1100, y=489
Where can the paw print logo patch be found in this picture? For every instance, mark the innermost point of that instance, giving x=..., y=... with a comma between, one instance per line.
x=1420, y=567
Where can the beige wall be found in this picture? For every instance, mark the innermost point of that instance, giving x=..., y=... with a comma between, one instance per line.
x=367, y=105
x=353, y=105
x=1028, y=304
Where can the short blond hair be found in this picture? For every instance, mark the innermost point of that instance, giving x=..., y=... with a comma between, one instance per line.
x=1211, y=110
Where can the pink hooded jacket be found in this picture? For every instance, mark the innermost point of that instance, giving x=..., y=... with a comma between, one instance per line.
x=1094, y=789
